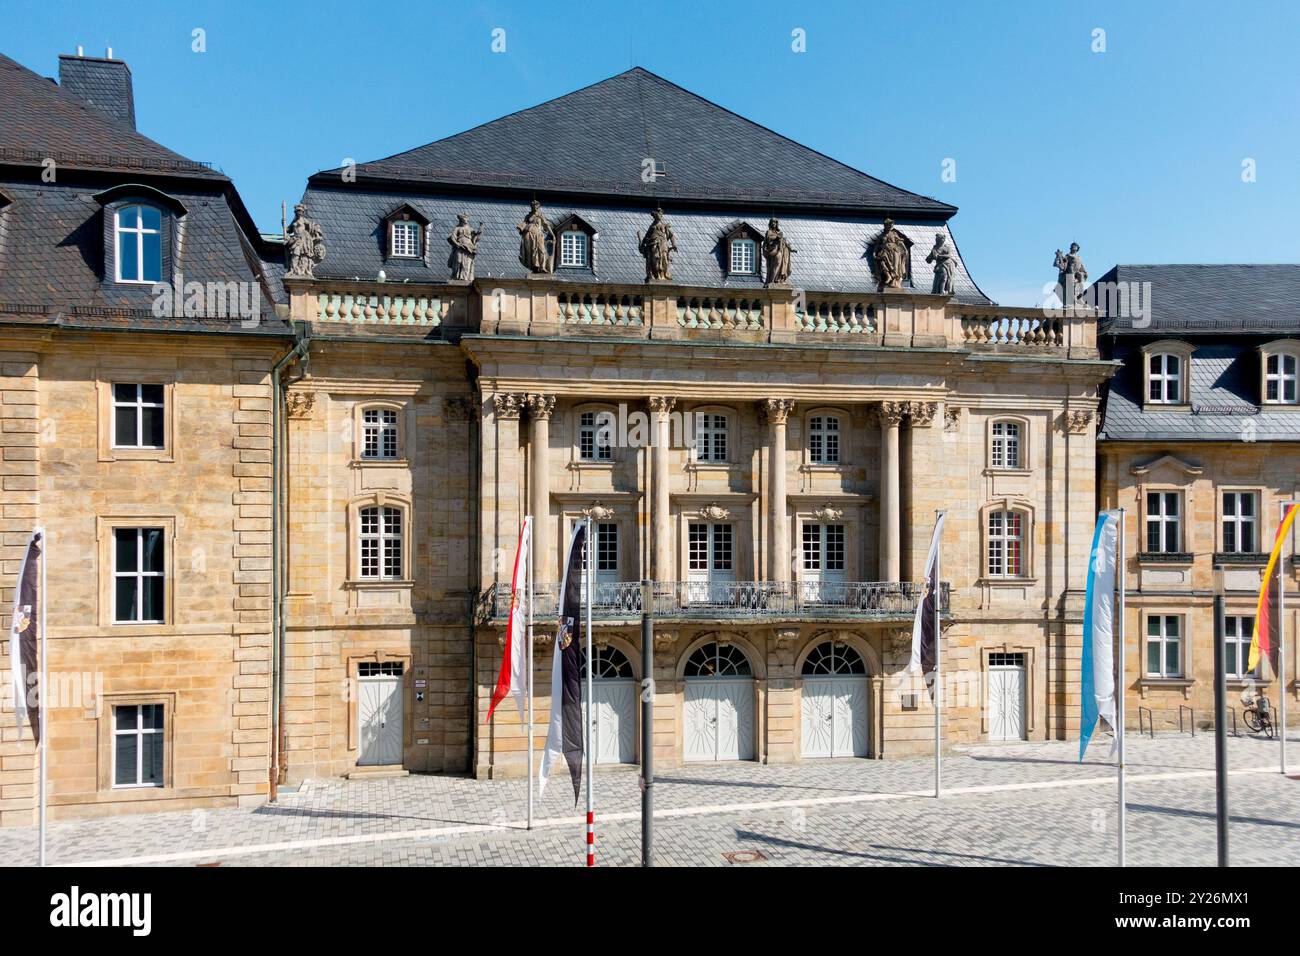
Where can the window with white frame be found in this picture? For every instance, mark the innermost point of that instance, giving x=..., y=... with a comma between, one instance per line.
x=605, y=534
x=1165, y=379
x=1006, y=445
x=743, y=257
x=379, y=434
x=1006, y=544
x=710, y=551
x=1239, y=522
x=1238, y=629
x=1164, y=522
x=824, y=439
x=404, y=239
x=138, y=745
x=1280, y=378
x=710, y=437
x=138, y=416
x=139, y=576
x=595, y=442
x=1164, y=645
x=138, y=244
x=573, y=248
x=381, y=543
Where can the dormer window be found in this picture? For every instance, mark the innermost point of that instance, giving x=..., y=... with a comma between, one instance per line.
x=404, y=239
x=744, y=257
x=738, y=250
x=1165, y=379
x=138, y=244
x=1280, y=378
x=573, y=249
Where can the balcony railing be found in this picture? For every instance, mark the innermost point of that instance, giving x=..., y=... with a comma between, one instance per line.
x=731, y=600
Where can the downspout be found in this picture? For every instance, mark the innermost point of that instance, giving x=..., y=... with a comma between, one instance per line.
x=299, y=353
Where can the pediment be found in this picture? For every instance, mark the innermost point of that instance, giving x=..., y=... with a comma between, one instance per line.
x=1168, y=463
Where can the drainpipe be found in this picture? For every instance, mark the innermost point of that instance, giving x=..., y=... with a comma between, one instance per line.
x=299, y=353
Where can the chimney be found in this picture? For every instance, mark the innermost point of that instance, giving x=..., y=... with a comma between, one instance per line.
x=104, y=85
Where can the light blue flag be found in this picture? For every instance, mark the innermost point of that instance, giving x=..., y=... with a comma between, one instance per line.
x=1097, y=686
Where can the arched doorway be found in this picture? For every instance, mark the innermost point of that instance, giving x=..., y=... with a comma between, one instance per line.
x=718, y=710
x=613, y=685
x=834, y=702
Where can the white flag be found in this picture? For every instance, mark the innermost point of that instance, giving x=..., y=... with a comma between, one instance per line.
x=513, y=678
x=924, y=638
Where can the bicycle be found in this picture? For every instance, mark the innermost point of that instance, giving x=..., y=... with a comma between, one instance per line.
x=1258, y=714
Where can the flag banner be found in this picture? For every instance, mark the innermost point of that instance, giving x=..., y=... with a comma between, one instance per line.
x=513, y=678
x=1261, y=641
x=23, y=634
x=924, y=638
x=565, y=732
x=1097, y=680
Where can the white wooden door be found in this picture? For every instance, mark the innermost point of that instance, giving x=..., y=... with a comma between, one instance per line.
x=1006, y=697
x=379, y=712
x=710, y=563
x=823, y=563
x=833, y=717
x=719, y=719
x=614, y=733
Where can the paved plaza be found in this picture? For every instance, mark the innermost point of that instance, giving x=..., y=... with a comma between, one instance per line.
x=1024, y=804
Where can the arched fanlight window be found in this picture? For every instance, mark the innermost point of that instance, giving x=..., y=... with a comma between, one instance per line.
x=829, y=658
x=607, y=663
x=718, y=660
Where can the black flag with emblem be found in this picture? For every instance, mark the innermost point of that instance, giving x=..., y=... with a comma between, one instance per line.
x=569, y=646
x=23, y=635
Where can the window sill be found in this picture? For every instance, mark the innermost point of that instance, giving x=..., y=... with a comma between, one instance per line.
x=1179, y=682
x=1009, y=472
x=583, y=464
x=1231, y=558
x=138, y=454
x=1242, y=682
x=380, y=463
x=718, y=466
x=380, y=584
x=1281, y=406
x=1007, y=582
x=1185, y=407
x=829, y=468
x=1156, y=558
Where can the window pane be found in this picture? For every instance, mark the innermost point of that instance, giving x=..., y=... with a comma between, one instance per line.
x=152, y=426
x=1231, y=654
x=153, y=599
x=153, y=549
x=152, y=770
x=153, y=716
x=1153, y=657
x=124, y=393
x=150, y=217
x=152, y=257
x=125, y=556
x=128, y=257
x=1171, y=658
x=125, y=753
x=151, y=393
x=124, y=424
x=126, y=598
x=124, y=718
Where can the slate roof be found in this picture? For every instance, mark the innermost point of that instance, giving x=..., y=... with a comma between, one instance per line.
x=1226, y=312
x=593, y=142
x=38, y=120
x=831, y=253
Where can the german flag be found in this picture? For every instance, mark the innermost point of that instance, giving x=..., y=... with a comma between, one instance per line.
x=1261, y=642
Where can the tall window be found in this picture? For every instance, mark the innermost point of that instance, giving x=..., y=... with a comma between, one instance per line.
x=710, y=548
x=1006, y=544
x=1165, y=379
x=1237, y=632
x=1006, y=445
x=1164, y=645
x=743, y=257
x=139, y=577
x=379, y=433
x=1164, y=522
x=1239, y=522
x=594, y=438
x=138, y=741
x=573, y=248
x=138, y=238
x=710, y=437
x=1280, y=378
x=404, y=239
x=606, y=546
x=381, y=543
x=824, y=440
x=137, y=416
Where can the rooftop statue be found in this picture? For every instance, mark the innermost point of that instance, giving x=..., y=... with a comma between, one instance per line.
x=777, y=252
x=1071, y=276
x=658, y=246
x=892, y=257
x=945, y=265
x=304, y=245
x=536, y=241
x=464, y=247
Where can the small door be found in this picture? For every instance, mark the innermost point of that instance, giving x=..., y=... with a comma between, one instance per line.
x=1006, y=696
x=615, y=690
x=833, y=710
x=379, y=712
x=718, y=709
x=711, y=563
x=823, y=564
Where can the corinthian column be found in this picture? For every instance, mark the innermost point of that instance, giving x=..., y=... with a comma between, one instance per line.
x=539, y=469
x=778, y=414
x=891, y=415
x=661, y=407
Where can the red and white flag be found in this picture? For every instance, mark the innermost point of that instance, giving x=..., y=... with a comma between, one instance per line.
x=513, y=678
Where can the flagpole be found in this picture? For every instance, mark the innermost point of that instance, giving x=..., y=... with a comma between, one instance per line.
x=40, y=699
x=529, y=570
x=938, y=657
x=1119, y=695
x=1281, y=638
x=591, y=703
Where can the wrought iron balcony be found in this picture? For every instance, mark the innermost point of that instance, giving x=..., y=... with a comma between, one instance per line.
x=731, y=601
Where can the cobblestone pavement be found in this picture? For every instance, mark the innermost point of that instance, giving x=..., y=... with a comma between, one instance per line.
x=1025, y=804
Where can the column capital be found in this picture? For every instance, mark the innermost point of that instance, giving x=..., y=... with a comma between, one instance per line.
x=777, y=410
x=1075, y=421
x=662, y=404
x=507, y=404
x=540, y=406
x=922, y=413
x=891, y=414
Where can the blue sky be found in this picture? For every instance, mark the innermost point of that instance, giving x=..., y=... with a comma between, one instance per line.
x=1136, y=153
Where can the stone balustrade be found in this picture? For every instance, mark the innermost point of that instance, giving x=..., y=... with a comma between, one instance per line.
x=600, y=308
x=720, y=313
